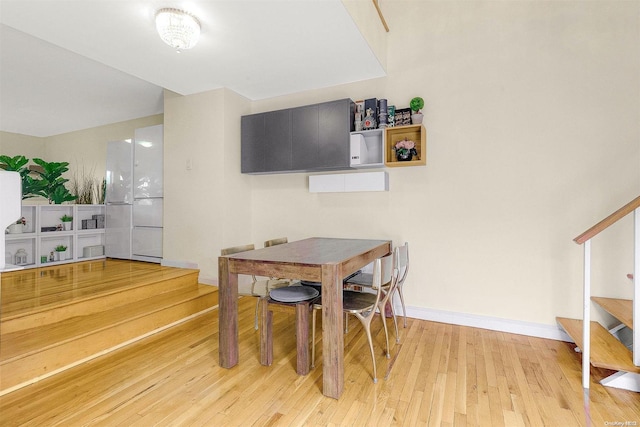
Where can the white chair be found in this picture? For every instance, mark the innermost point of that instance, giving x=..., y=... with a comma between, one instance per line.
x=363, y=305
x=402, y=264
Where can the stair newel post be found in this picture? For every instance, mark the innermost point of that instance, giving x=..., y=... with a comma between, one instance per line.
x=586, y=315
x=636, y=287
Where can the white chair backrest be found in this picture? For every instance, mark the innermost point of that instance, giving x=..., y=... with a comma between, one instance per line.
x=383, y=271
x=236, y=249
x=401, y=254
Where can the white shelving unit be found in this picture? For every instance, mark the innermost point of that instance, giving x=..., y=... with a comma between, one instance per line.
x=38, y=241
x=367, y=148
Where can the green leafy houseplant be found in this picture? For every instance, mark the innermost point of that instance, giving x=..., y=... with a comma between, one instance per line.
x=54, y=184
x=60, y=248
x=416, y=104
x=66, y=218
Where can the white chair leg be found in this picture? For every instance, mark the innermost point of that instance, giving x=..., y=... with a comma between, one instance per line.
x=395, y=322
x=255, y=322
x=386, y=332
x=404, y=310
x=373, y=355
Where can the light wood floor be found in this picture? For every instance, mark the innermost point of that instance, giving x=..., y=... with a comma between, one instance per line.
x=440, y=375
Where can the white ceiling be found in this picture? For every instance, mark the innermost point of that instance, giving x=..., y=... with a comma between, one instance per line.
x=67, y=65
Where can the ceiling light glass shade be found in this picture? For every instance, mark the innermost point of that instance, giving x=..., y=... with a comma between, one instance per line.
x=178, y=29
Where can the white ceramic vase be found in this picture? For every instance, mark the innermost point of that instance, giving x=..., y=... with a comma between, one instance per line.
x=15, y=228
x=416, y=118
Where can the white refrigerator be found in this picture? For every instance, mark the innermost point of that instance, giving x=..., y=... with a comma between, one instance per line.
x=148, y=191
x=135, y=196
x=119, y=199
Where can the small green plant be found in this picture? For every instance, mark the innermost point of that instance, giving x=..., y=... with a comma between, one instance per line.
x=66, y=218
x=416, y=104
x=60, y=248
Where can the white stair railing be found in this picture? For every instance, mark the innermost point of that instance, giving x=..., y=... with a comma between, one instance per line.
x=632, y=381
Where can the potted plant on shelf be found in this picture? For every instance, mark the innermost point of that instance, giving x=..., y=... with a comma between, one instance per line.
x=61, y=253
x=18, y=226
x=67, y=222
x=416, y=104
x=405, y=150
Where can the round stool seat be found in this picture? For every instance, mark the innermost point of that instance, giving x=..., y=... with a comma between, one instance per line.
x=293, y=293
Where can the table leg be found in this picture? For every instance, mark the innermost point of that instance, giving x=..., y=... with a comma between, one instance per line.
x=332, y=332
x=302, y=337
x=266, y=333
x=227, y=314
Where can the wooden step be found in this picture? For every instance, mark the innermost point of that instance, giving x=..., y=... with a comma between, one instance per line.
x=43, y=296
x=606, y=351
x=32, y=353
x=56, y=317
x=621, y=309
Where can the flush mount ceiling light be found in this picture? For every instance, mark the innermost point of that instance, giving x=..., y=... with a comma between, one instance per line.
x=178, y=29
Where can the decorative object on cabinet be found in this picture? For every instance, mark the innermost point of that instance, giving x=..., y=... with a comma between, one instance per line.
x=359, y=115
x=391, y=116
x=416, y=105
x=61, y=253
x=403, y=117
x=54, y=188
x=89, y=224
x=18, y=227
x=383, y=113
x=415, y=133
x=371, y=104
x=369, y=120
x=87, y=188
x=405, y=150
x=67, y=222
x=21, y=257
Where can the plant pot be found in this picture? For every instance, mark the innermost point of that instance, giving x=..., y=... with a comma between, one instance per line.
x=67, y=226
x=404, y=157
x=15, y=228
x=56, y=256
x=416, y=118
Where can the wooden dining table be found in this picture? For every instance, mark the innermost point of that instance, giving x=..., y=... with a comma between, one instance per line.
x=317, y=259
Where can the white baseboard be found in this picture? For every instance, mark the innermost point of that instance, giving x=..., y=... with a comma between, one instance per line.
x=486, y=322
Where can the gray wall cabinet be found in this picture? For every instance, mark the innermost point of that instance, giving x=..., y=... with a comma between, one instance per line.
x=308, y=138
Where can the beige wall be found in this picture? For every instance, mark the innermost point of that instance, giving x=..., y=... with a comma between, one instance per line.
x=208, y=206
x=15, y=144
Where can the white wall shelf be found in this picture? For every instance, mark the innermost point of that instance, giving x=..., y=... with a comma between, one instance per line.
x=39, y=244
x=349, y=182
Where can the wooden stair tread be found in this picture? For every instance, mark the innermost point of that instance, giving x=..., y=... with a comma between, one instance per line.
x=38, y=292
x=25, y=341
x=606, y=351
x=621, y=309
